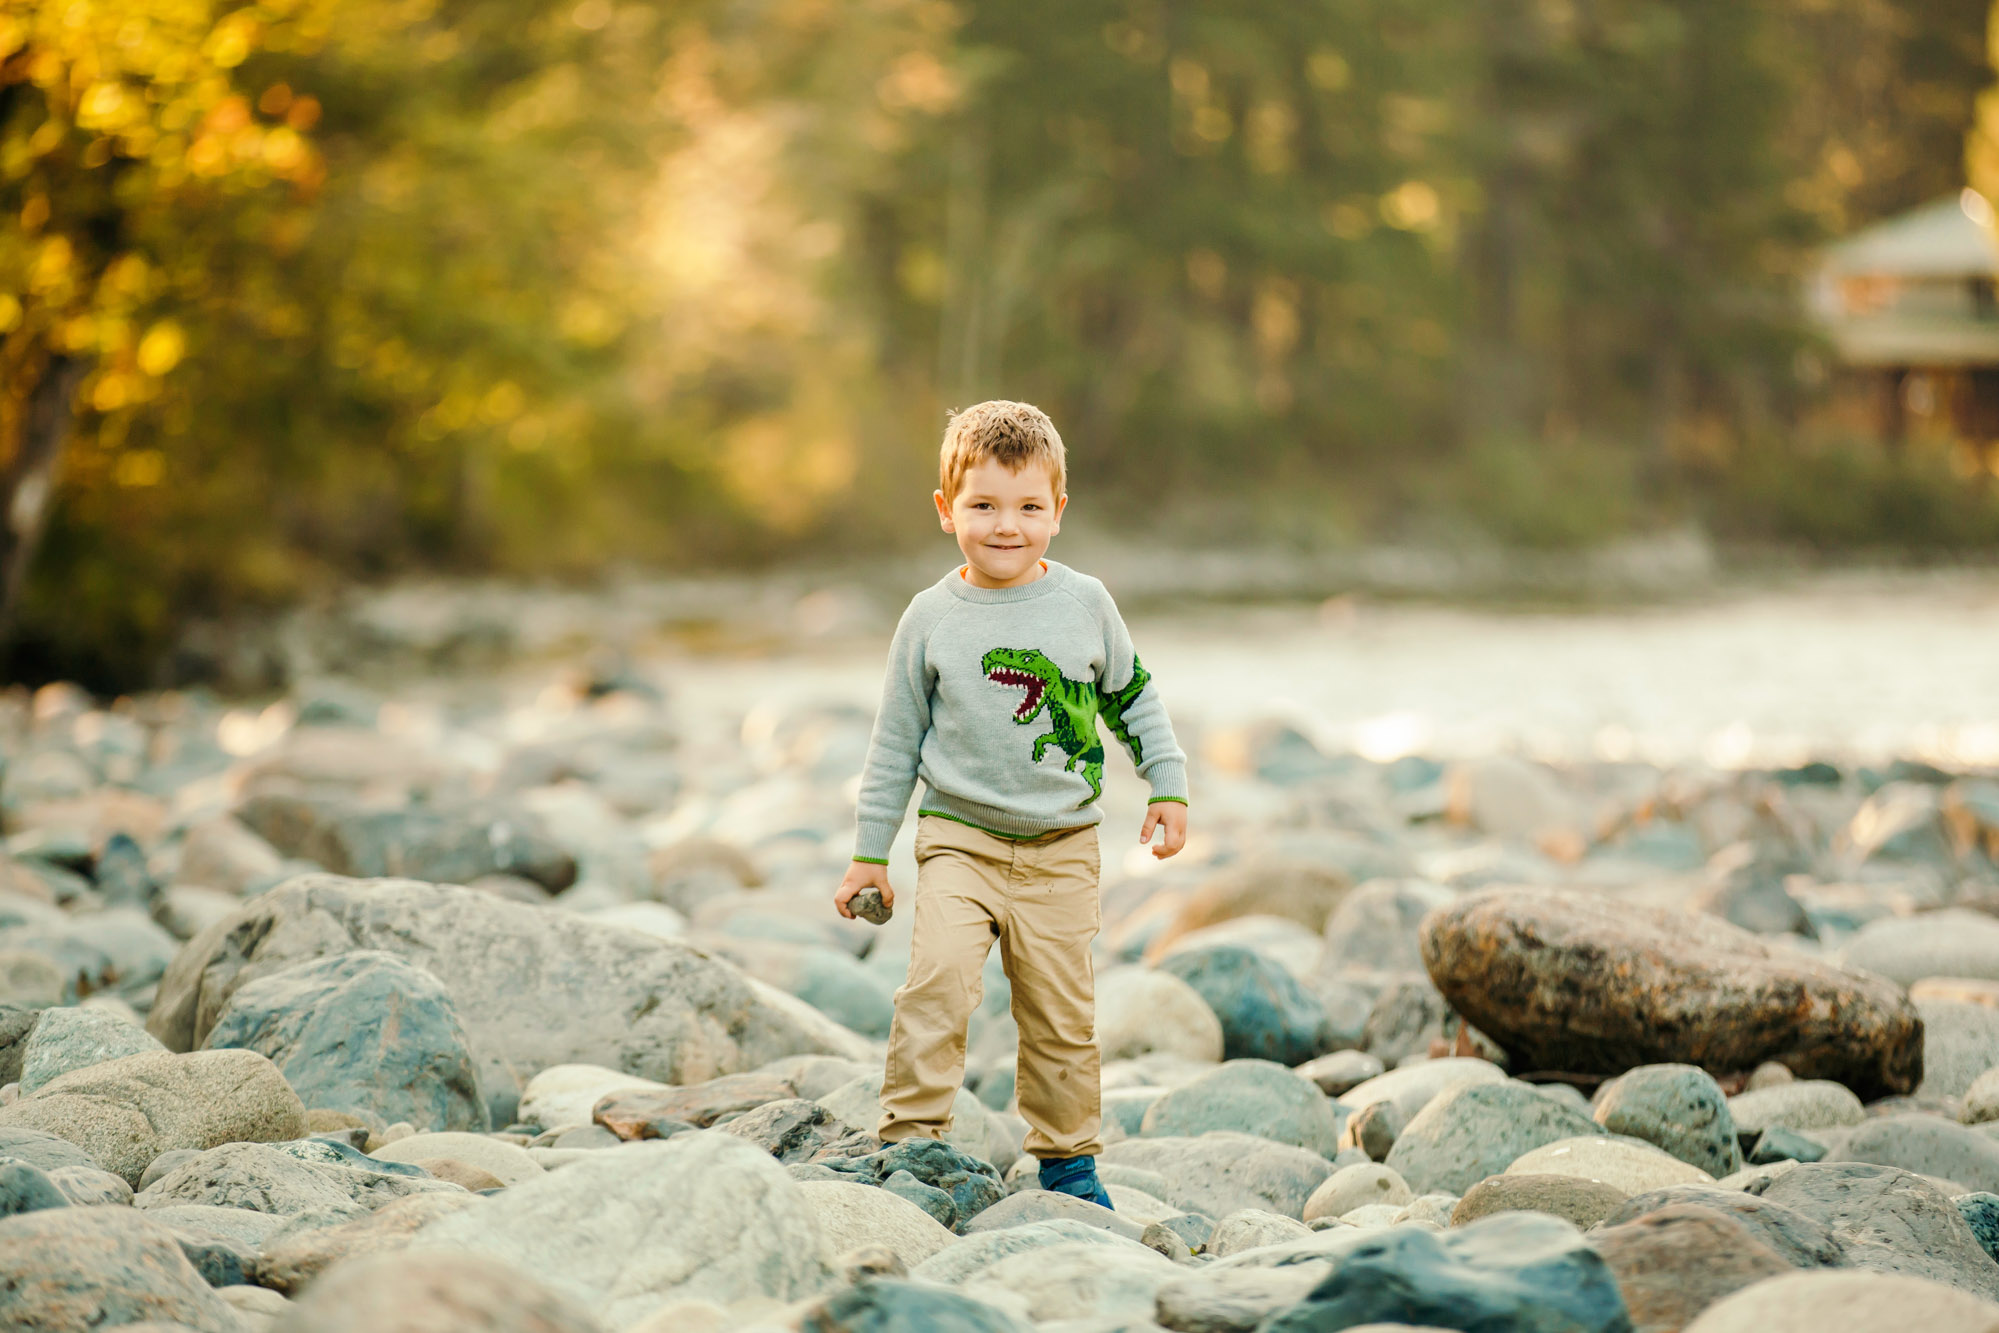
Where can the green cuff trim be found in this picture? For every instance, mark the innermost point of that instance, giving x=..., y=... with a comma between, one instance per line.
x=873, y=860
x=1177, y=800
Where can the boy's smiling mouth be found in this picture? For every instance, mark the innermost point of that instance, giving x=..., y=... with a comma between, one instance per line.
x=1033, y=684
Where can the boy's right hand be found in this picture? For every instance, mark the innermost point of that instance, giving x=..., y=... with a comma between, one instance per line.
x=862, y=875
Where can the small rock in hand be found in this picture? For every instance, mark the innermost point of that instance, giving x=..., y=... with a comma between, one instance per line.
x=868, y=906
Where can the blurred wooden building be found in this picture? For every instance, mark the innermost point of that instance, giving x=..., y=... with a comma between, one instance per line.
x=1909, y=307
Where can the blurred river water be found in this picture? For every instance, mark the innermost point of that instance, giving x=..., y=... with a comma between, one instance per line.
x=1857, y=667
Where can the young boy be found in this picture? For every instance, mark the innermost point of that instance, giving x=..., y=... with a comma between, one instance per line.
x=996, y=678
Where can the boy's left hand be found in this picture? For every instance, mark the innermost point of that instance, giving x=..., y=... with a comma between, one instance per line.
x=1170, y=816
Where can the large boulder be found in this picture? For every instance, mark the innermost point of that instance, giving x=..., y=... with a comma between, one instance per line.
x=1889, y=1220
x=1849, y=1302
x=64, y=1269
x=1512, y=1271
x=1224, y=1172
x=68, y=1039
x=1253, y=1097
x=364, y=1032
x=401, y=1292
x=1589, y=984
x=623, y=1230
x=533, y=987
x=1265, y=1013
x=1672, y=1264
x=1474, y=1130
x=126, y=1112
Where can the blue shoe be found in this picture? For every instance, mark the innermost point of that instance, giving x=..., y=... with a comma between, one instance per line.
x=1074, y=1176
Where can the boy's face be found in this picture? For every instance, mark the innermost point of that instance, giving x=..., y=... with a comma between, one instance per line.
x=1003, y=520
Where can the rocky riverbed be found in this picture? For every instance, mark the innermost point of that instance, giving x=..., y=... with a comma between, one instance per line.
x=386, y=1011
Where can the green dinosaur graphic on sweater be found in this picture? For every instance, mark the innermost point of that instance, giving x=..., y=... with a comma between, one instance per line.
x=1072, y=706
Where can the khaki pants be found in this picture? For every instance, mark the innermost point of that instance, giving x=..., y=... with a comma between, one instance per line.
x=1038, y=898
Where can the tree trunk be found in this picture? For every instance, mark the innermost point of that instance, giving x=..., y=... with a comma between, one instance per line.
x=28, y=484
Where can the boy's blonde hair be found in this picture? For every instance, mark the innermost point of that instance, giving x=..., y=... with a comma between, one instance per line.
x=1016, y=435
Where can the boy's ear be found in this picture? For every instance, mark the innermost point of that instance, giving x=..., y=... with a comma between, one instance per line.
x=943, y=510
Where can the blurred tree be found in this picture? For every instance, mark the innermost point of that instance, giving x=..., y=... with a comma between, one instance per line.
x=1338, y=240
x=1883, y=94
x=1665, y=253
x=558, y=294
x=1981, y=145
x=1217, y=243
x=120, y=126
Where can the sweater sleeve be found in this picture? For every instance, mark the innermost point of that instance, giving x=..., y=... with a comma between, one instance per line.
x=1136, y=714
x=889, y=775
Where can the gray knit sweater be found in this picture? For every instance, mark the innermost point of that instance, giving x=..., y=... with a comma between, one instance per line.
x=992, y=697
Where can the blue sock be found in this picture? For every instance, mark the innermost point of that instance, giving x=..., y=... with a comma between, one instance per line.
x=1074, y=1176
